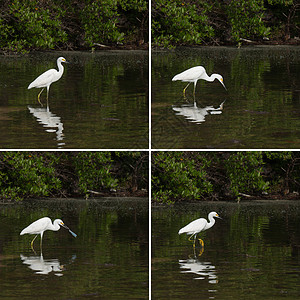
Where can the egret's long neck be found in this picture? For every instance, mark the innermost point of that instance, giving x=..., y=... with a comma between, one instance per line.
x=211, y=77
x=60, y=68
x=211, y=222
x=55, y=226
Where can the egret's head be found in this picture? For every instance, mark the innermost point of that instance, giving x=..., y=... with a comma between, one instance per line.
x=61, y=223
x=215, y=215
x=62, y=59
x=220, y=78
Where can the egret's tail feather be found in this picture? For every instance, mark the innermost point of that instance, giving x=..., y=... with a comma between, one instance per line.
x=175, y=78
x=30, y=86
x=180, y=231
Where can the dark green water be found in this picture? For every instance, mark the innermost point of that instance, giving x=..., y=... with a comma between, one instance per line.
x=261, y=108
x=107, y=260
x=253, y=253
x=101, y=101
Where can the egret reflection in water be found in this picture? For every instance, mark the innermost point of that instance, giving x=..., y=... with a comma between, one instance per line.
x=203, y=269
x=45, y=266
x=42, y=266
x=50, y=121
x=196, y=114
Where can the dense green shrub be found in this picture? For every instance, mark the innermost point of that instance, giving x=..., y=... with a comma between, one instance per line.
x=69, y=24
x=99, y=19
x=31, y=24
x=42, y=174
x=24, y=174
x=244, y=172
x=180, y=22
x=213, y=22
x=94, y=171
x=178, y=176
x=246, y=19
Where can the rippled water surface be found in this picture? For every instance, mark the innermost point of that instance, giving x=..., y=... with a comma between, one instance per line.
x=252, y=253
x=107, y=260
x=100, y=102
x=261, y=108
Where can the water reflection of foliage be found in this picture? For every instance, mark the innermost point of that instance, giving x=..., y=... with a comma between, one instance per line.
x=33, y=174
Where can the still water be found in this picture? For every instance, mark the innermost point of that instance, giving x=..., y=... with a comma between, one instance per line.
x=253, y=253
x=107, y=260
x=261, y=108
x=101, y=101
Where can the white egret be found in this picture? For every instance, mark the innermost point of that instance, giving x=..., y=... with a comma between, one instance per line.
x=199, y=225
x=43, y=224
x=48, y=77
x=194, y=74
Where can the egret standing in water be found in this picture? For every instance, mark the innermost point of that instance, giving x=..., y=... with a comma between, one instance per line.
x=48, y=77
x=43, y=224
x=199, y=225
x=194, y=74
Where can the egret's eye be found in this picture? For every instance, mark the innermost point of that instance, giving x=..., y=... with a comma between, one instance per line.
x=221, y=79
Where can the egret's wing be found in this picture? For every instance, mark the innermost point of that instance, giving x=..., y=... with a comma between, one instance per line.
x=43, y=80
x=190, y=74
x=195, y=226
x=36, y=227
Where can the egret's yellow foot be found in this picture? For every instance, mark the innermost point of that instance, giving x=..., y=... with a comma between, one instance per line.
x=201, y=251
x=201, y=242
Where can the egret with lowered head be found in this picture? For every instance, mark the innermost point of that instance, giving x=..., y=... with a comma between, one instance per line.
x=199, y=225
x=194, y=74
x=43, y=224
x=48, y=77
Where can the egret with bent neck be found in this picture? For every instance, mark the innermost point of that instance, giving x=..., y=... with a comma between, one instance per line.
x=194, y=74
x=43, y=224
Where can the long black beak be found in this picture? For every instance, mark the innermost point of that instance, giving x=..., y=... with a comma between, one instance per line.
x=64, y=226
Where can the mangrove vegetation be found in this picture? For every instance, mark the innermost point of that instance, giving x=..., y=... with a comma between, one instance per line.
x=200, y=176
x=71, y=25
x=232, y=22
x=72, y=174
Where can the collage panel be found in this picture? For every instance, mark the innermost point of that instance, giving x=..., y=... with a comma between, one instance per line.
x=74, y=225
x=225, y=74
x=74, y=74
x=225, y=225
